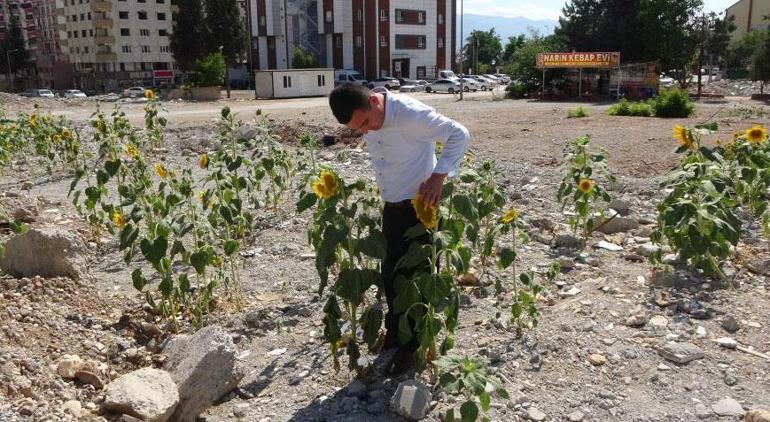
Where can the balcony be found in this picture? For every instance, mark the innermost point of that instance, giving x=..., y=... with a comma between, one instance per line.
x=101, y=6
x=60, y=27
x=104, y=39
x=103, y=23
x=106, y=57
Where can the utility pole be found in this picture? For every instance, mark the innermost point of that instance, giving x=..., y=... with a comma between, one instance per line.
x=462, y=52
x=8, y=60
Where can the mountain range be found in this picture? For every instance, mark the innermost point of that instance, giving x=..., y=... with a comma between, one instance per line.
x=505, y=27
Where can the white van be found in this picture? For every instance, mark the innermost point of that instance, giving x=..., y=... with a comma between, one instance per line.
x=342, y=76
x=447, y=74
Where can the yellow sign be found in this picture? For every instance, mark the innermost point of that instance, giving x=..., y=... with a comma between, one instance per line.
x=576, y=60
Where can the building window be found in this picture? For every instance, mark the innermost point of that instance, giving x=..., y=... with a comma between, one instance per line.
x=160, y=1
x=74, y=18
x=145, y=49
x=421, y=17
x=82, y=16
x=126, y=48
x=360, y=15
x=321, y=80
x=287, y=81
x=141, y=1
x=383, y=15
x=161, y=16
x=399, y=16
x=123, y=15
x=144, y=32
x=89, y=15
x=410, y=42
x=440, y=19
x=91, y=32
x=383, y=41
x=420, y=42
x=125, y=32
x=359, y=41
x=85, y=49
x=142, y=15
x=262, y=21
x=338, y=42
x=164, y=49
x=75, y=33
x=421, y=72
x=122, y=67
x=329, y=17
x=440, y=42
x=163, y=33
x=271, y=43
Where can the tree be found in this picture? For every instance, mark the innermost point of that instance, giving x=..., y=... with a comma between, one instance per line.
x=188, y=38
x=481, y=47
x=514, y=43
x=227, y=33
x=13, y=48
x=760, y=63
x=739, y=53
x=210, y=70
x=522, y=66
x=303, y=59
x=712, y=37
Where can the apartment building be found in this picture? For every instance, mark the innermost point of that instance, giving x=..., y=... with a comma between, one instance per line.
x=749, y=16
x=399, y=38
x=44, y=39
x=117, y=43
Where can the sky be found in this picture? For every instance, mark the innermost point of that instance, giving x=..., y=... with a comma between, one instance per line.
x=547, y=9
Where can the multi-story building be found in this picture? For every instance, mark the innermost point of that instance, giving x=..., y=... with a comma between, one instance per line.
x=117, y=43
x=749, y=16
x=44, y=39
x=399, y=38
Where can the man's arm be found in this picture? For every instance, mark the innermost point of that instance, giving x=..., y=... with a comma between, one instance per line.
x=427, y=125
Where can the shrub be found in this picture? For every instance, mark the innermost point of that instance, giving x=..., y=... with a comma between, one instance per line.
x=622, y=108
x=519, y=89
x=641, y=109
x=577, y=112
x=209, y=71
x=673, y=102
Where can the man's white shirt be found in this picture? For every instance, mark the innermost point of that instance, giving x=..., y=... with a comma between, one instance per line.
x=402, y=151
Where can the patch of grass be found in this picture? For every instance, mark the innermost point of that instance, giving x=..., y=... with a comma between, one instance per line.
x=577, y=113
x=627, y=108
x=673, y=102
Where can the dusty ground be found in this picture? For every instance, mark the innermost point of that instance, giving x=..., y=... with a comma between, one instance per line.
x=548, y=370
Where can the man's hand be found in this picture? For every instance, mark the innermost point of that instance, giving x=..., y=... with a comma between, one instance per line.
x=431, y=189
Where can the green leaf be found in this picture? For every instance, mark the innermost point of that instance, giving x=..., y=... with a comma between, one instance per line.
x=306, y=202
x=407, y=294
x=464, y=205
x=138, y=279
x=434, y=288
x=503, y=393
x=128, y=236
x=199, y=259
x=231, y=246
x=111, y=167
x=353, y=282
x=469, y=412
x=353, y=354
x=417, y=255
x=371, y=322
x=450, y=416
x=485, y=401
x=507, y=256
x=166, y=286
x=154, y=250
x=404, y=329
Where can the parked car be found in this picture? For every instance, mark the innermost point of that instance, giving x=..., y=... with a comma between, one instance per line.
x=470, y=84
x=445, y=85
x=484, y=83
x=134, y=91
x=503, y=77
x=39, y=93
x=388, y=83
x=349, y=75
x=74, y=93
x=410, y=85
x=667, y=81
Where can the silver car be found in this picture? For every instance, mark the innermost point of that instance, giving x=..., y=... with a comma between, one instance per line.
x=470, y=85
x=74, y=93
x=408, y=85
x=443, y=85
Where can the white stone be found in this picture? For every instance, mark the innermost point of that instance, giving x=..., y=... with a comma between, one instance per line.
x=728, y=407
x=148, y=394
x=68, y=365
x=411, y=400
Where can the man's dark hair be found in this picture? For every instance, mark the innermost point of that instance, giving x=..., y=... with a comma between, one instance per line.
x=347, y=98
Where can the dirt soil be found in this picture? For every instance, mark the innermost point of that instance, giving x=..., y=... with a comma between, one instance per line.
x=549, y=371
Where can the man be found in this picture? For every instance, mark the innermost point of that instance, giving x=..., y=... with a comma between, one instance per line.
x=401, y=135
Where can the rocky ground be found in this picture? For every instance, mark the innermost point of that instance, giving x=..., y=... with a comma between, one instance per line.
x=616, y=341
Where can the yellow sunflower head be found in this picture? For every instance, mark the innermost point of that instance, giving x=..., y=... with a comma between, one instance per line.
x=426, y=213
x=149, y=94
x=118, y=219
x=161, y=171
x=585, y=185
x=56, y=138
x=132, y=151
x=203, y=161
x=326, y=184
x=510, y=216
x=756, y=135
x=33, y=120
x=683, y=136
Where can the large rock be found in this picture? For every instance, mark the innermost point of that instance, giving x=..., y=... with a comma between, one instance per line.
x=728, y=406
x=46, y=252
x=411, y=400
x=616, y=225
x=148, y=394
x=680, y=353
x=204, y=367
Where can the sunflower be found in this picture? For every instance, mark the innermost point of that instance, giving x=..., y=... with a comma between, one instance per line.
x=56, y=138
x=427, y=214
x=66, y=134
x=682, y=135
x=161, y=171
x=585, y=185
x=33, y=120
x=756, y=135
x=149, y=94
x=510, y=215
x=203, y=161
x=118, y=219
x=99, y=125
x=326, y=185
x=131, y=151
